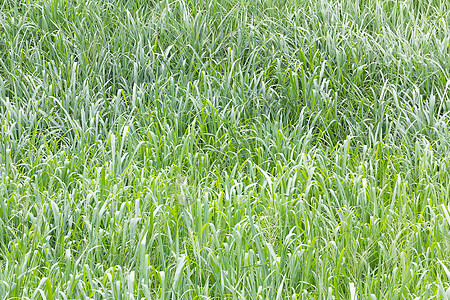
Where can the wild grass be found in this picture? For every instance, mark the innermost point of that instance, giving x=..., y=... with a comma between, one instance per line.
x=224, y=149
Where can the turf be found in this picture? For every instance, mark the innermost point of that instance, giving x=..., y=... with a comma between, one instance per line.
x=224, y=149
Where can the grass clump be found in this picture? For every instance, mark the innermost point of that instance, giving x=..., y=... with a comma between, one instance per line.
x=224, y=149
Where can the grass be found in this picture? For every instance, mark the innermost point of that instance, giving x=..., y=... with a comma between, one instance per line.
x=224, y=149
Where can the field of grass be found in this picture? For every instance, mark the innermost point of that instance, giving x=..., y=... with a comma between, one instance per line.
x=224, y=149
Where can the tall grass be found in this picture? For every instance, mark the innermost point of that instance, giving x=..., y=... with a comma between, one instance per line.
x=224, y=149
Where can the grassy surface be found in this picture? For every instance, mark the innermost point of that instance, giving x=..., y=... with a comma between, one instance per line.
x=224, y=149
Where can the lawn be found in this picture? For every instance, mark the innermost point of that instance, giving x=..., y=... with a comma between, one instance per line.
x=224, y=149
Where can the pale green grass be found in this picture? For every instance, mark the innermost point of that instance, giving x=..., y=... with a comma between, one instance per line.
x=224, y=149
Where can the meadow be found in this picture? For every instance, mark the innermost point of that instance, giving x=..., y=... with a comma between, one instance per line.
x=224, y=149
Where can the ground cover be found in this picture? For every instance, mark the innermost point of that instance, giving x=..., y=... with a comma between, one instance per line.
x=224, y=149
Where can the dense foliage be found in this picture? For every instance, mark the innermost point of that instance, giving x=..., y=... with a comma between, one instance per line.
x=224, y=149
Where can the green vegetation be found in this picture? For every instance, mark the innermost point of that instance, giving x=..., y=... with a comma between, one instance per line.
x=224, y=149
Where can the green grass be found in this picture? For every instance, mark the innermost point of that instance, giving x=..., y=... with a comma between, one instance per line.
x=224, y=149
